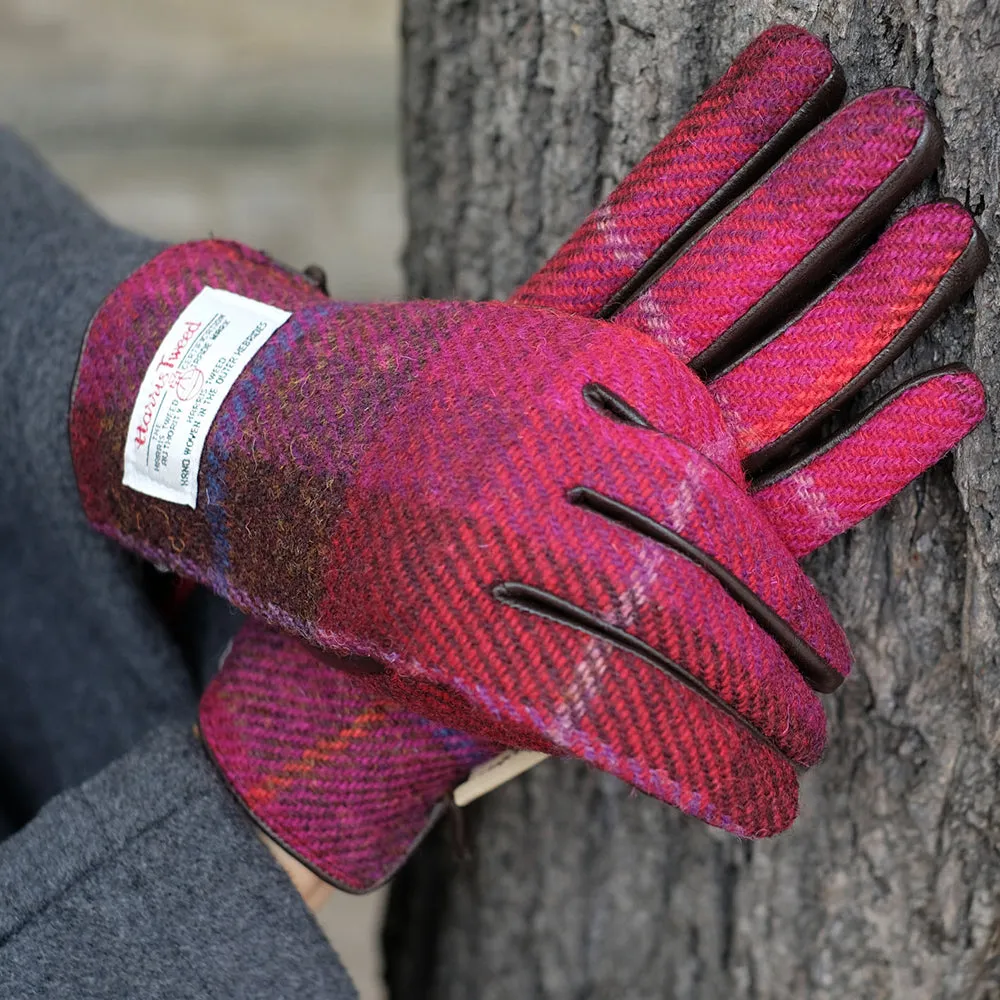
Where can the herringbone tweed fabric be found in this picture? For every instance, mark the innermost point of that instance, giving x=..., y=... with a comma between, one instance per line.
x=302, y=744
x=377, y=471
x=734, y=120
x=344, y=780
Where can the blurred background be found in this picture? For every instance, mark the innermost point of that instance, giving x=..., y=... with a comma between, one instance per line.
x=271, y=123
x=274, y=123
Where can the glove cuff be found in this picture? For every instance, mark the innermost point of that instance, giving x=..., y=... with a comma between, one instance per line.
x=122, y=341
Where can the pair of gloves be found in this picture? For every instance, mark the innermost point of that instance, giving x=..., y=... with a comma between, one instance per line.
x=569, y=523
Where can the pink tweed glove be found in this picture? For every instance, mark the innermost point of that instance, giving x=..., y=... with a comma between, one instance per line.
x=348, y=782
x=333, y=743
x=351, y=782
x=578, y=269
x=454, y=495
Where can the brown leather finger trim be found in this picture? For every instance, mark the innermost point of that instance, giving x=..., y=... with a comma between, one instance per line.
x=799, y=284
x=535, y=601
x=823, y=102
x=959, y=278
x=609, y=404
x=814, y=668
x=774, y=475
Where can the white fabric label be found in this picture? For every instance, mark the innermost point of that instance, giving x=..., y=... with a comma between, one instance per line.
x=201, y=357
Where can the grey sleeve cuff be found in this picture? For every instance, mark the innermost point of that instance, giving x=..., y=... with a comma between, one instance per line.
x=87, y=664
x=59, y=260
x=148, y=881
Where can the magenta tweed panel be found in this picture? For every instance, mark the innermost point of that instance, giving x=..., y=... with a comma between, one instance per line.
x=792, y=375
x=707, y=767
x=575, y=689
x=453, y=434
x=765, y=86
x=348, y=783
x=801, y=202
x=863, y=472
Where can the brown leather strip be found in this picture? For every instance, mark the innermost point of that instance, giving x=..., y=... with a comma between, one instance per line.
x=317, y=275
x=799, y=284
x=818, y=673
x=609, y=404
x=823, y=102
x=773, y=475
x=960, y=277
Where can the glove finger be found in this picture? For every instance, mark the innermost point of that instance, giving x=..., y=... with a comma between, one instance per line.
x=347, y=783
x=785, y=388
x=685, y=626
x=778, y=88
x=757, y=262
x=849, y=478
x=602, y=695
x=689, y=507
x=696, y=499
x=664, y=739
x=671, y=599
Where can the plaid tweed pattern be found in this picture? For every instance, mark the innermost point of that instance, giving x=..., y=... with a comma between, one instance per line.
x=734, y=120
x=294, y=784
x=791, y=376
x=355, y=424
x=899, y=441
x=315, y=773
x=732, y=123
x=799, y=204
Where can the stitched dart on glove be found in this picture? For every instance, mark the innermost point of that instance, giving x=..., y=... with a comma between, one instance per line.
x=665, y=632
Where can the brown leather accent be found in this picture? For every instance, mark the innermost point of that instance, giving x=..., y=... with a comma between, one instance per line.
x=774, y=475
x=959, y=278
x=534, y=601
x=818, y=673
x=823, y=102
x=609, y=404
x=799, y=283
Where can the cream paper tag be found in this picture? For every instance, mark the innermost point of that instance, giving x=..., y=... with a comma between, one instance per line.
x=496, y=772
x=200, y=358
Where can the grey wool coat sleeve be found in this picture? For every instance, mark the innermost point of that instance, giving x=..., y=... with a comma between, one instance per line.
x=148, y=881
x=126, y=868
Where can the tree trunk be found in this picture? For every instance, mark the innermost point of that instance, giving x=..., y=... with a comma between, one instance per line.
x=519, y=116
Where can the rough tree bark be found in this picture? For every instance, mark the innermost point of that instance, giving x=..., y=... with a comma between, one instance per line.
x=519, y=116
